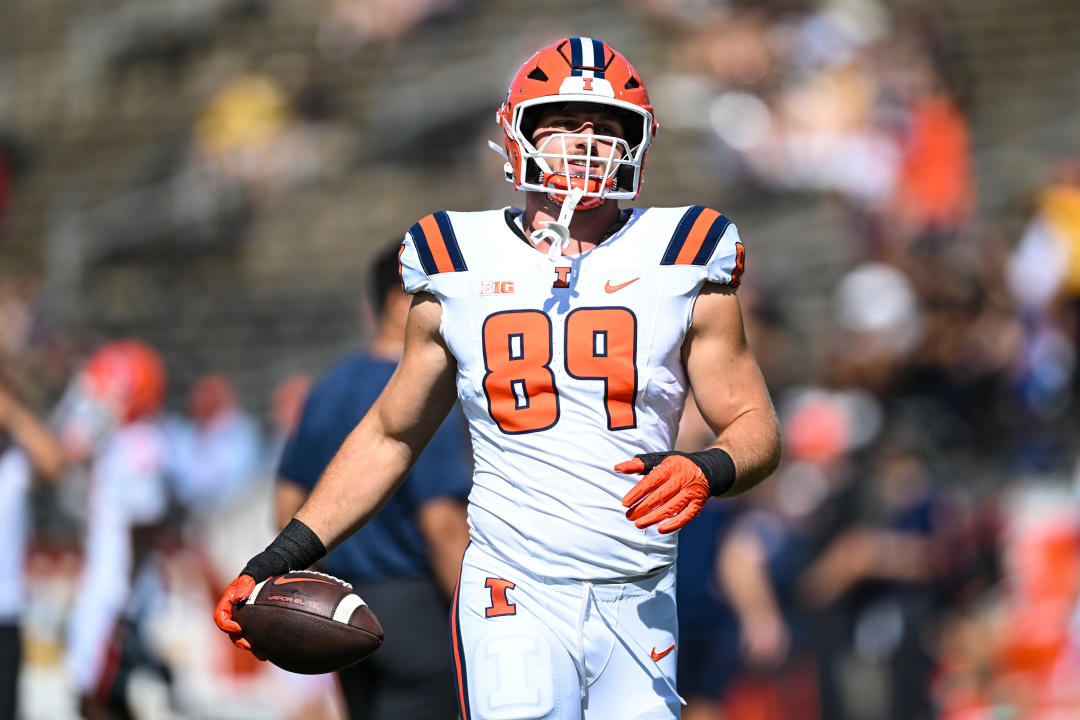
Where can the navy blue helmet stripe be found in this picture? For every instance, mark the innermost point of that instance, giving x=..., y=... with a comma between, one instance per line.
x=682, y=231
x=452, y=247
x=575, y=56
x=712, y=237
x=598, y=57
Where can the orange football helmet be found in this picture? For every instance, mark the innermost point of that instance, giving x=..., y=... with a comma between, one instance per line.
x=580, y=70
x=129, y=376
x=122, y=381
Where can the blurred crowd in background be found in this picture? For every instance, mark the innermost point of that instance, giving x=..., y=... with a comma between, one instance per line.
x=912, y=297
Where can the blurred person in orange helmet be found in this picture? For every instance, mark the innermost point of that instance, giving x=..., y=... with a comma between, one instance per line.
x=108, y=422
x=570, y=331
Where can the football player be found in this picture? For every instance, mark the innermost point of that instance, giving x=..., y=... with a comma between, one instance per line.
x=570, y=331
x=109, y=420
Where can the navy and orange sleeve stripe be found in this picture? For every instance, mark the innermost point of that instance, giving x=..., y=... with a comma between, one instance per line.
x=437, y=245
x=695, y=237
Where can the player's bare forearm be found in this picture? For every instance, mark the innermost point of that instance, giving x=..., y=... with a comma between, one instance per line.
x=753, y=442
x=361, y=477
x=729, y=388
x=377, y=454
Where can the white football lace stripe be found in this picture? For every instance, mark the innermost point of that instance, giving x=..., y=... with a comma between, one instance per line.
x=255, y=593
x=347, y=607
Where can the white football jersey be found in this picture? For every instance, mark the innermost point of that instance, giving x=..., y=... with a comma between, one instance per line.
x=565, y=368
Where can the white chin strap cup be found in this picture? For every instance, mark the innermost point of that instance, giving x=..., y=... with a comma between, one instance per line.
x=558, y=232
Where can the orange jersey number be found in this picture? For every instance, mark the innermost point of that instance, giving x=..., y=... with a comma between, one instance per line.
x=519, y=383
x=601, y=345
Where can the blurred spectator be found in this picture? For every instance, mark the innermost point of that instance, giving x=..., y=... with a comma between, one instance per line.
x=1044, y=279
x=1014, y=646
x=28, y=450
x=218, y=458
x=1034, y=662
x=870, y=588
x=108, y=419
x=220, y=469
x=286, y=407
x=878, y=313
x=405, y=561
x=236, y=131
x=729, y=616
x=935, y=188
x=251, y=137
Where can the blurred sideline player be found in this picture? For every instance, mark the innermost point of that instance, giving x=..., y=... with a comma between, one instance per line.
x=28, y=450
x=108, y=419
x=405, y=562
x=570, y=332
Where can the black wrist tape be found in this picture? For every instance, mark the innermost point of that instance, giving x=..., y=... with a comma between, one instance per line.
x=296, y=548
x=716, y=465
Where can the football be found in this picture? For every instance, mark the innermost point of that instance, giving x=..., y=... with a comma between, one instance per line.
x=307, y=622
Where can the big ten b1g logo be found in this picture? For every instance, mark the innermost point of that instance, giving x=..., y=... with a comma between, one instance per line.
x=496, y=287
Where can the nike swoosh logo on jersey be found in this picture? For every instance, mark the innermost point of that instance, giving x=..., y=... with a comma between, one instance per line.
x=657, y=656
x=286, y=581
x=608, y=287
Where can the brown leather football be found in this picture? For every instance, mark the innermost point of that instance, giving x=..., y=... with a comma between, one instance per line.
x=307, y=622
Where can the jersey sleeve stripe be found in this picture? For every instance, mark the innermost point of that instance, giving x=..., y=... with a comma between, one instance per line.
x=682, y=230
x=712, y=237
x=423, y=251
x=696, y=237
x=450, y=238
x=436, y=245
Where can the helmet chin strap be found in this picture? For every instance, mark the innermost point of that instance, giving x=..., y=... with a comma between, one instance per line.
x=558, y=232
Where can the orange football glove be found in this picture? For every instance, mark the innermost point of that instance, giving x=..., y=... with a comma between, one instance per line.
x=296, y=547
x=239, y=590
x=675, y=487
